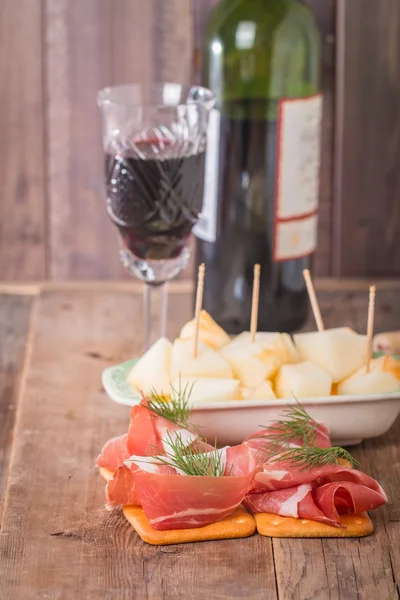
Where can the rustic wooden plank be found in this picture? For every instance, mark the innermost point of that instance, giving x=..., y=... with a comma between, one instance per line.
x=14, y=324
x=82, y=241
x=23, y=198
x=54, y=523
x=367, y=180
x=125, y=41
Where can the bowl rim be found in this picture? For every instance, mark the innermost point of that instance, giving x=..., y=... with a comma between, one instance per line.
x=133, y=399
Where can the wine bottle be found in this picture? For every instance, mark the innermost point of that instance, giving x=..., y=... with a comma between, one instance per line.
x=262, y=60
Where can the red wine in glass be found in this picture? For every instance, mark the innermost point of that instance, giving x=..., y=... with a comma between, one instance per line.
x=154, y=199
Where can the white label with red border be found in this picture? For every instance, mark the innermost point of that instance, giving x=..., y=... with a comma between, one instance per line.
x=297, y=177
x=206, y=226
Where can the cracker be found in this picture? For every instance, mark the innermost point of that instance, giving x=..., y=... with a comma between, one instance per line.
x=106, y=473
x=272, y=525
x=239, y=524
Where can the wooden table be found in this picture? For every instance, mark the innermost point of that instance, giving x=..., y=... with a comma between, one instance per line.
x=58, y=542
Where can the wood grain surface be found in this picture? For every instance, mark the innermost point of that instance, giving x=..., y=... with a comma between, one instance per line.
x=57, y=541
x=367, y=186
x=14, y=326
x=127, y=41
x=23, y=205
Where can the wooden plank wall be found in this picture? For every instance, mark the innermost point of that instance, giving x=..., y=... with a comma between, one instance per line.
x=22, y=168
x=52, y=219
x=367, y=185
x=128, y=40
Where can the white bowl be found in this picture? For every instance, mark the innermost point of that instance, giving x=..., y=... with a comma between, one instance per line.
x=350, y=419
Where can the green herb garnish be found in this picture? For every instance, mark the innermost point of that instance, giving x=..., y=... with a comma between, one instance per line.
x=175, y=408
x=298, y=425
x=191, y=460
x=310, y=456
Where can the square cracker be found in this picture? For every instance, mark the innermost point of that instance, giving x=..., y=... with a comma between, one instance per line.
x=239, y=524
x=272, y=525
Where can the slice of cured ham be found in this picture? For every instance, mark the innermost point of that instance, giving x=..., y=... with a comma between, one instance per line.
x=284, y=474
x=182, y=501
x=114, y=452
x=324, y=504
x=149, y=433
x=340, y=497
x=172, y=500
x=120, y=490
x=319, y=494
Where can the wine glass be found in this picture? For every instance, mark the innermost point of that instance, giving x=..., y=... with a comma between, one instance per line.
x=154, y=139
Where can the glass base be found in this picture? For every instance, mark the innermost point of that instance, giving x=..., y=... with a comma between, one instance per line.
x=154, y=272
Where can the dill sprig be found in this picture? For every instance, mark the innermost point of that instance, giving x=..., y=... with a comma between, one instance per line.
x=190, y=459
x=309, y=457
x=174, y=408
x=298, y=425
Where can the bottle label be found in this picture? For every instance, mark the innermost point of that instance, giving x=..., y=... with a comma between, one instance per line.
x=297, y=177
x=206, y=227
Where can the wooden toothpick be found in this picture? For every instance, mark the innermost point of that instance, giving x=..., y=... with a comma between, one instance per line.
x=370, y=325
x=199, y=304
x=254, y=302
x=313, y=300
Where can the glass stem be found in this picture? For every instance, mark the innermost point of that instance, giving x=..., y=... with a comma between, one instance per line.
x=164, y=310
x=147, y=315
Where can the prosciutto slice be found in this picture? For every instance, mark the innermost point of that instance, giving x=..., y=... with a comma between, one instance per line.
x=114, y=452
x=320, y=494
x=181, y=501
x=148, y=435
x=324, y=504
x=121, y=490
x=284, y=474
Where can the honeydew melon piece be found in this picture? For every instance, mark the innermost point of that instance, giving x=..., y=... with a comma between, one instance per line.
x=291, y=354
x=246, y=393
x=302, y=380
x=253, y=363
x=338, y=351
x=205, y=389
x=264, y=391
x=209, y=331
x=266, y=338
x=152, y=371
x=207, y=363
x=374, y=382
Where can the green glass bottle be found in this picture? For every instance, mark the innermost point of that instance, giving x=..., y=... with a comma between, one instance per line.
x=262, y=60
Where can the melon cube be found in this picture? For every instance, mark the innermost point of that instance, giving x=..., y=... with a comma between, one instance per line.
x=302, y=380
x=209, y=331
x=152, y=371
x=339, y=352
x=205, y=389
x=207, y=363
